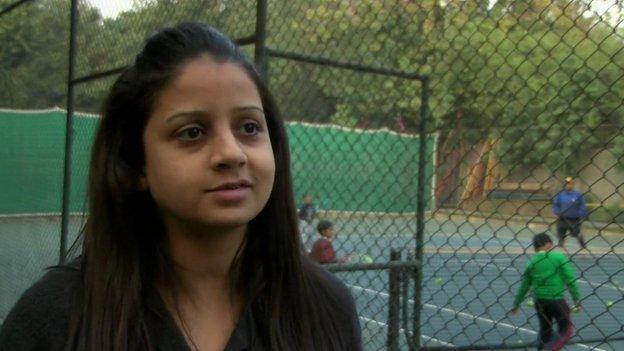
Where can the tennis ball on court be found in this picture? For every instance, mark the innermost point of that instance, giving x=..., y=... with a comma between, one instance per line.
x=575, y=309
x=439, y=281
x=366, y=259
x=531, y=303
x=609, y=304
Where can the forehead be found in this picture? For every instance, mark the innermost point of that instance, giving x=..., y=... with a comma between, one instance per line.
x=206, y=82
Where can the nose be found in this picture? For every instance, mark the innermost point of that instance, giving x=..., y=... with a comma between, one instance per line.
x=226, y=150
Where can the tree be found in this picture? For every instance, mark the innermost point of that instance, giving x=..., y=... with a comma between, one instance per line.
x=543, y=77
x=34, y=55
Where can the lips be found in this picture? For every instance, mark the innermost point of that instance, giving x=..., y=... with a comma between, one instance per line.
x=231, y=193
x=232, y=185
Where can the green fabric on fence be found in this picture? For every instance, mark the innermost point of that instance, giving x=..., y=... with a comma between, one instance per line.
x=345, y=169
x=354, y=170
x=32, y=156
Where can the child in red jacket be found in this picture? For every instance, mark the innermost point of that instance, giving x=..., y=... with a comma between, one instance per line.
x=323, y=250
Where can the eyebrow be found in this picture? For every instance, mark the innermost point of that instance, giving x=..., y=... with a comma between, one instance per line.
x=201, y=113
x=248, y=108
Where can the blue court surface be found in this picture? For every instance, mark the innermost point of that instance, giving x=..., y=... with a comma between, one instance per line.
x=471, y=274
x=469, y=282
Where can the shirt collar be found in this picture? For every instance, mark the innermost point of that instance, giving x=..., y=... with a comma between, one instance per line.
x=166, y=336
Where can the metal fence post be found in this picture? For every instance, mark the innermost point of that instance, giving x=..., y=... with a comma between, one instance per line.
x=69, y=131
x=260, y=50
x=420, y=209
x=394, y=305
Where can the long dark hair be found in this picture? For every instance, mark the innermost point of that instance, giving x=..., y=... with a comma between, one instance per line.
x=122, y=256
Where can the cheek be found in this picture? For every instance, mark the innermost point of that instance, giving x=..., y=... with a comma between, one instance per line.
x=270, y=166
x=164, y=171
x=264, y=169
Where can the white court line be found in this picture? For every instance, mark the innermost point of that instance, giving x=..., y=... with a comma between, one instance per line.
x=580, y=280
x=464, y=260
x=448, y=310
x=467, y=315
x=427, y=338
x=486, y=260
x=507, y=260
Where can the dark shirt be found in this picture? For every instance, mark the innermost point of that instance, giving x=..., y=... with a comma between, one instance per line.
x=307, y=212
x=40, y=319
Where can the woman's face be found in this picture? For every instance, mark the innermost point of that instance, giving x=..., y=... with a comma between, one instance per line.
x=208, y=156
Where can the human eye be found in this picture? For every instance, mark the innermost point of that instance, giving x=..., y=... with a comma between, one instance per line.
x=250, y=128
x=190, y=133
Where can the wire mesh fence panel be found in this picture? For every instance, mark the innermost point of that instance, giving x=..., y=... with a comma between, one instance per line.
x=525, y=94
x=34, y=54
x=472, y=125
x=34, y=43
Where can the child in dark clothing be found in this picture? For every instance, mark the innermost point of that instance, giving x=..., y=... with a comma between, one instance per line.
x=306, y=213
x=548, y=274
x=322, y=250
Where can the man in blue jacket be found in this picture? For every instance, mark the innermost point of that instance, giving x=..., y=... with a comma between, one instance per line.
x=570, y=210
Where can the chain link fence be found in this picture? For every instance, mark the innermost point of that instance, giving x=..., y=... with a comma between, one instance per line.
x=434, y=134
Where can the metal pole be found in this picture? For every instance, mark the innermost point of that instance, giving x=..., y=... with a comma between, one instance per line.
x=13, y=6
x=323, y=61
x=420, y=209
x=394, y=277
x=260, y=50
x=69, y=130
x=353, y=267
x=406, y=276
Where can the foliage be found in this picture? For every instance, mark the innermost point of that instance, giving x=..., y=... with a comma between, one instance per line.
x=544, y=77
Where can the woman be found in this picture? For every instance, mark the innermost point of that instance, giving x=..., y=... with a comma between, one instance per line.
x=191, y=241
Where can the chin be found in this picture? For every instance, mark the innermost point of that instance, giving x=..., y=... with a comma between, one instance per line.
x=226, y=223
x=227, y=219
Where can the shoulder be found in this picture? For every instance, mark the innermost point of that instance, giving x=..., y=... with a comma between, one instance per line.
x=530, y=263
x=40, y=318
x=324, y=242
x=338, y=299
x=321, y=243
x=333, y=286
x=557, y=198
x=538, y=260
x=536, y=257
x=558, y=256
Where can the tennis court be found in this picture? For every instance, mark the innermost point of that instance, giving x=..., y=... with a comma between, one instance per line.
x=468, y=286
x=462, y=109
x=469, y=283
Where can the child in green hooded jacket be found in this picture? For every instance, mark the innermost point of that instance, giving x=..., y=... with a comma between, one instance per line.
x=548, y=274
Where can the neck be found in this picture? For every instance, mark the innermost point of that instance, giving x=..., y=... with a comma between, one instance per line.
x=202, y=257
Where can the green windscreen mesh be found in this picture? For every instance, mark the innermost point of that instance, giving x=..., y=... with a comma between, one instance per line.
x=345, y=169
x=32, y=154
x=358, y=170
